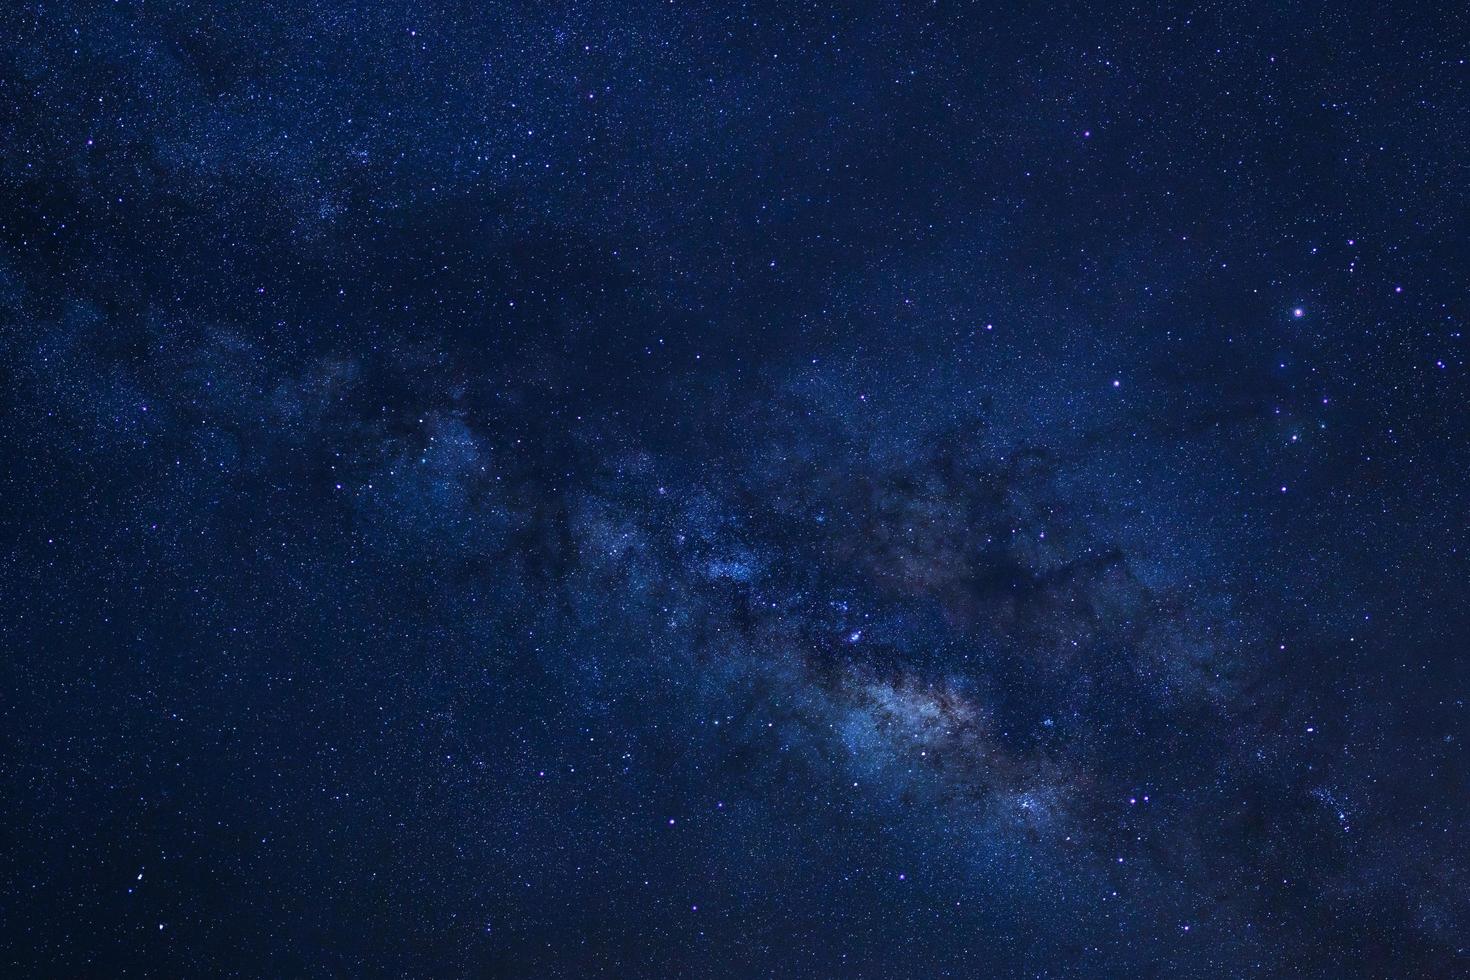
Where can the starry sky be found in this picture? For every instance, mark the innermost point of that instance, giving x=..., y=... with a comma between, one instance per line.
x=721, y=490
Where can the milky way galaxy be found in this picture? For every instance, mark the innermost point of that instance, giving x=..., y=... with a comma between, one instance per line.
x=699, y=491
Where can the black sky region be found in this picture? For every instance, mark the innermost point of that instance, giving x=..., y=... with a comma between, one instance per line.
x=734, y=490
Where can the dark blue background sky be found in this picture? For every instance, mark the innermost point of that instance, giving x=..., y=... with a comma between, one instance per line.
x=729, y=491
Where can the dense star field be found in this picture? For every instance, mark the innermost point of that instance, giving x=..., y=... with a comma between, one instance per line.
x=734, y=490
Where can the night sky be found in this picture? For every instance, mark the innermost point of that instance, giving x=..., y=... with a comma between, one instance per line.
x=734, y=490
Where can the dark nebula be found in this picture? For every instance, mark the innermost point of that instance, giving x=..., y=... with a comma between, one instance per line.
x=682, y=490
